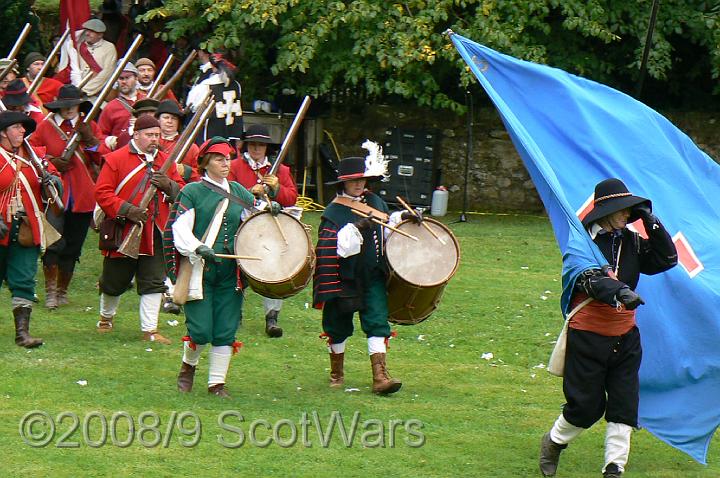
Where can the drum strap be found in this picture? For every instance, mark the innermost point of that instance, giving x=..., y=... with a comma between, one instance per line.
x=227, y=195
x=362, y=207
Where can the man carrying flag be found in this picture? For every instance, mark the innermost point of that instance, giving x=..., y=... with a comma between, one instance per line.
x=603, y=341
x=95, y=55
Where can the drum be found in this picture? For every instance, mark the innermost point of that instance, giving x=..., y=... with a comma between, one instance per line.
x=419, y=270
x=287, y=254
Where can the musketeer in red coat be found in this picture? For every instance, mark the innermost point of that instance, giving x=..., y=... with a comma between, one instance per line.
x=22, y=189
x=78, y=176
x=251, y=170
x=116, y=118
x=49, y=88
x=125, y=176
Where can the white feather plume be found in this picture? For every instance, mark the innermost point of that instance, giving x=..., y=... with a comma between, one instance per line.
x=375, y=163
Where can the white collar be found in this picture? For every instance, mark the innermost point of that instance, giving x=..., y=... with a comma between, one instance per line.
x=169, y=138
x=255, y=165
x=352, y=198
x=224, y=184
x=149, y=157
x=205, y=67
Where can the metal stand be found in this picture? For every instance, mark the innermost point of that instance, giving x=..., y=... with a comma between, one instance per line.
x=468, y=155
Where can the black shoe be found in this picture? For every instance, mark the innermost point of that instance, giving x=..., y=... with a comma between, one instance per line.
x=549, y=455
x=170, y=307
x=612, y=471
x=271, y=326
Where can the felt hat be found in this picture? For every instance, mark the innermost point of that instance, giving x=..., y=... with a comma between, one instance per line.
x=611, y=195
x=16, y=93
x=216, y=144
x=372, y=167
x=145, y=105
x=145, y=62
x=170, y=107
x=257, y=133
x=5, y=62
x=9, y=118
x=146, y=122
x=68, y=96
x=131, y=68
x=95, y=24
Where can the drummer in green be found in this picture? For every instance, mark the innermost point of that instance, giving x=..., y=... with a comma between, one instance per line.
x=203, y=223
x=351, y=271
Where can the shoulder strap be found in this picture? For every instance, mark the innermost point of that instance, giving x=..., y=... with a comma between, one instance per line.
x=226, y=194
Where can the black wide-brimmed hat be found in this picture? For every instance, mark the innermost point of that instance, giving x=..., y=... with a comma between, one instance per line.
x=69, y=96
x=9, y=118
x=16, y=94
x=352, y=168
x=169, y=107
x=611, y=195
x=257, y=133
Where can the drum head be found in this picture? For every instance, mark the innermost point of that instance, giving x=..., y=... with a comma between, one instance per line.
x=259, y=236
x=426, y=262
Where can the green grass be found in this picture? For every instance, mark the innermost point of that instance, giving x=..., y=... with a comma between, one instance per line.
x=482, y=418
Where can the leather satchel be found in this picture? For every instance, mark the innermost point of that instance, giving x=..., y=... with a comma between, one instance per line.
x=111, y=234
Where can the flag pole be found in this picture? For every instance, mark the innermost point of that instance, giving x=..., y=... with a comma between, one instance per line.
x=646, y=50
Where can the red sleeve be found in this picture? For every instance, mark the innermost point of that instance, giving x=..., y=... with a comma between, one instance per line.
x=105, y=186
x=287, y=196
x=105, y=120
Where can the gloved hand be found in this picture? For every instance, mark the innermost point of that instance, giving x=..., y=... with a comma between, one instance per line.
x=47, y=179
x=273, y=184
x=86, y=134
x=207, y=253
x=629, y=298
x=364, y=223
x=275, y=208
x=136, y=215
x=60, y=164
x=3, y=230
x=162, y=182
x=416, y=218
x=645, y=213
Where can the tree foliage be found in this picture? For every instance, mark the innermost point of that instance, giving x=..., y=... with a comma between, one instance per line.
x=369, y=50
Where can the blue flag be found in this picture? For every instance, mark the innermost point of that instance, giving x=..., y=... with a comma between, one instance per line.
x=572, y=133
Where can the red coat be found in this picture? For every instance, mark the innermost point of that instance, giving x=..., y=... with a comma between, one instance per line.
x=190, y=175
x=241, y=172
x=115, y=119
x=78, y=181
x=118, y=165
x=31, y=199
x=47, y=91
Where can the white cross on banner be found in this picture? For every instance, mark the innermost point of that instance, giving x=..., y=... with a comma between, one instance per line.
x=230, y=108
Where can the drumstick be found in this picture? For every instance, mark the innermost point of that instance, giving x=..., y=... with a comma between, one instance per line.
x=233, y=256
x=378, y=221
x=277, y=221
x=430, y=230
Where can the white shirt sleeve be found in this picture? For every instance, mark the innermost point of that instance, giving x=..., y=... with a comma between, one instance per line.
x=185, y=241
x=394, y=219
x=349, y=241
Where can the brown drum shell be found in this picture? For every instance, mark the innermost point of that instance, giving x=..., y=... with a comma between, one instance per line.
x=415, y=292
x=285, y=269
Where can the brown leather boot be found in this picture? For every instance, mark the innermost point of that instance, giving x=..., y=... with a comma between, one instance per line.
x=104, y=325
x=382, y=383
x=63, y=282
x=185, y=378
x=549, y=455
x=337, y=375
x=22, y=326
x=271, y=326
x=219, y=390
x=51, y=276
x=154, y=336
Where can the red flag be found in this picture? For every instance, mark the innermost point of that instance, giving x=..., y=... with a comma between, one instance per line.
x=76, y=12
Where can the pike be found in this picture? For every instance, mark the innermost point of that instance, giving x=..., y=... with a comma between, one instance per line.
x=161, y=74
x=176, y=76
x=290, y=135
x=39, y=77
x=131, y=244
x=74, y=140
x=15, y=50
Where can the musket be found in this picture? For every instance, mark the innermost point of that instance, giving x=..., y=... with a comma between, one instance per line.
x=19, y=42
x=38, y=78
x=177, y=75
x=8, y=69
x=290, y=135
x=161, y=74
x=74, y=140
x=131, y=244
x=54, y=194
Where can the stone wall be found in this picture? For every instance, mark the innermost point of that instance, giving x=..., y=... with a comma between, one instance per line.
x=497, y=179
